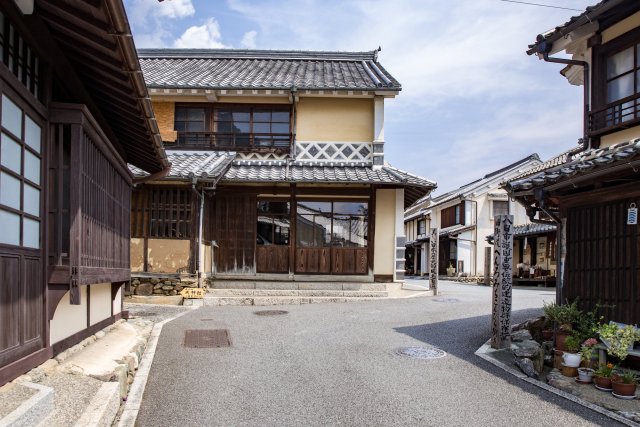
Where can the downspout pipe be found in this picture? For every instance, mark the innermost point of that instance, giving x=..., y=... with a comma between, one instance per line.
x=158, y=175
x=200, y=222
x=585, y=67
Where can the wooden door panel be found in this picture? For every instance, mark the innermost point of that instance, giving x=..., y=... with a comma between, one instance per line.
x=33, y=300
x=272, y=259
x=235, y=228
x=313, y=260
x=9, y=304
x=349, y=260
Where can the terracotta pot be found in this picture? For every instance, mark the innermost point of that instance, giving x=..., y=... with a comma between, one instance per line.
x=569, y=371
x=547, y=334
x=603, y=382
x=622, y=389
x=561, y=336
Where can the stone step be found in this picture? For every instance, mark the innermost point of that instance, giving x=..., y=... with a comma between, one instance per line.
x=294, y=293
x=33, y=405
x=295, y=286
x=279, y=300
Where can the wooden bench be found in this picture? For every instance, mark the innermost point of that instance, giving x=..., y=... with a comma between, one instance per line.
x=602, y=353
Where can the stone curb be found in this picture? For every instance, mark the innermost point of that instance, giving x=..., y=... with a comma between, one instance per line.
x=483, y=351
x=32, y=411
x=134, y=399
x=103, y=407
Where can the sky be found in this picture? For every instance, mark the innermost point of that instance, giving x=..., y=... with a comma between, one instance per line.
x=472, y=100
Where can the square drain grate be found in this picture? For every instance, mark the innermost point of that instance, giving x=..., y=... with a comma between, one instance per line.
x=206, y=338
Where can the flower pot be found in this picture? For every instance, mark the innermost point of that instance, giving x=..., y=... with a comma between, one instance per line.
x=622, y=389
x=561, y=336
x=547, y=334
x=602, y=383
x=569, y=371
x=585, y=375
x=572, y=359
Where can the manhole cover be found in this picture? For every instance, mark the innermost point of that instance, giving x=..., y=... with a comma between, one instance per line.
x=421, y=352
x=206, y=338
x=270, y=312
x=446, y=300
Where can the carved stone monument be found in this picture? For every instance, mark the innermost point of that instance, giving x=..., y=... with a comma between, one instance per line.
x=433, y=260
x=502, y=281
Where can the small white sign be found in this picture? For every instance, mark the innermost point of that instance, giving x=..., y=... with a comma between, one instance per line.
x=632, y=215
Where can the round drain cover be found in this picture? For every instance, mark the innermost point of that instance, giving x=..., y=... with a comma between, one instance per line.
x=447, y=300
x=421, y=352
x=270, y=312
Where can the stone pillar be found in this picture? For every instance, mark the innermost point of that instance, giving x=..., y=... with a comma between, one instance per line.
x=487, y=266
x=433, y=260
x=378, y=132
x=502, y=281
x=399, y=235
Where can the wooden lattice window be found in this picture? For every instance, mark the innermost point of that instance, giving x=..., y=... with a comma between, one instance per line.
x=161, y=212
x=16, y=54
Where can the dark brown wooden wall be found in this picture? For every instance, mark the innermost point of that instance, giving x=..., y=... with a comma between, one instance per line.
x=235, y=231
x=603, y=259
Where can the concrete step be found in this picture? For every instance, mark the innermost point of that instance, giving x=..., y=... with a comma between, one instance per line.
x=294, y=293
x=297, y=286
x=33, y=404
x=278, y=300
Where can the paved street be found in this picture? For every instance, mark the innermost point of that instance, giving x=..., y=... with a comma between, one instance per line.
x=335, y=364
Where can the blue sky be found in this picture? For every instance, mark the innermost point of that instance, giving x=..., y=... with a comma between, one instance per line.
x=472, y=100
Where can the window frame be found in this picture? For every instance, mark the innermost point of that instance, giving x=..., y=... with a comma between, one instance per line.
x=333, y=216
x=211, y=137
x=606, y=117
x=493, y=210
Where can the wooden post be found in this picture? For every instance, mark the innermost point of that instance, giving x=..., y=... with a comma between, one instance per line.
x=502, y=281
x=487, y=266
x=433, y=260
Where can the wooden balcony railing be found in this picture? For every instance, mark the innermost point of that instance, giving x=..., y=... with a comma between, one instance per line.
x=235, y=141
x=616, y=115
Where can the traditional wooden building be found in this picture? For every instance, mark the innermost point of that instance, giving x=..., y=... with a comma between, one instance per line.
x=592, y=197
x=464, y=217
x=279, y=169
x=73, y=112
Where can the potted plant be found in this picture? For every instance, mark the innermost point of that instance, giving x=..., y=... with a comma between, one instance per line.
x=602, y=376
x=451, y=271
x=572, y=357
x=624, y=384
x=564, y=316
x=585, y=373
x=619, y=339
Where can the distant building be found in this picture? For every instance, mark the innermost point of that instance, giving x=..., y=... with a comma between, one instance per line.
x=465, y=218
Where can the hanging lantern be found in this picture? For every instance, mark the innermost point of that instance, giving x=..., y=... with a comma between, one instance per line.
x=632, y=215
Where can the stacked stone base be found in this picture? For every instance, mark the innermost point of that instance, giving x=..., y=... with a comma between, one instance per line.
x=145, y=286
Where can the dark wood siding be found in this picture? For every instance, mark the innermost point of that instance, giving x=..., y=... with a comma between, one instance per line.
x=452, y=216
x=603, y=259
x=235, y=231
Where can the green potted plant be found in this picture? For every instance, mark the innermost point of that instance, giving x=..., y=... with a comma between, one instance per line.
x=572, y=357
x=564, y=316
x=624, y=384
x=585, y=374
x=602, y=376
x=619, y=339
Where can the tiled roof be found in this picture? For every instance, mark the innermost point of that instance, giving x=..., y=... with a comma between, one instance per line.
x=264, y=69
x=266, y=171
x=470, y=187
x=190, y=164
x=583, y=164
x=554, y=161
x=529, y=229
x=590, y=14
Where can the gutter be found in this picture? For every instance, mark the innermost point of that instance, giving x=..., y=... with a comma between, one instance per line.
x=586, y=144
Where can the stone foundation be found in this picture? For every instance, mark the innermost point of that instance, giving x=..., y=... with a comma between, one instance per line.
x=164, y=286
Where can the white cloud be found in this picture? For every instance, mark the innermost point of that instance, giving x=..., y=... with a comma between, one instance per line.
x=176, y=8
x=205, y=36
x=249, y=40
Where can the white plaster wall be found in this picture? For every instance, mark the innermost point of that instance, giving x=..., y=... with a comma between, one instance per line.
x=100, y=302
x=68, y=319
x=465, y=251
x=385, y=245
x=117, y=303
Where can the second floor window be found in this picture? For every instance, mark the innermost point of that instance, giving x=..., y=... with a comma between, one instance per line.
x=453, y=215
x=622, y=69
x=500, y=207
x=422, y=227
x=234, y=127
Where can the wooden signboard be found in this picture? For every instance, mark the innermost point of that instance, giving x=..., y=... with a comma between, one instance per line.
x=192, y=293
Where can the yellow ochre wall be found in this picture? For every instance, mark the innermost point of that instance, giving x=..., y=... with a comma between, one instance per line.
x=168, y=255
x=328, y=119
x=165, y=116
x=621, y=27
x=385, y=245
x=137, y=255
